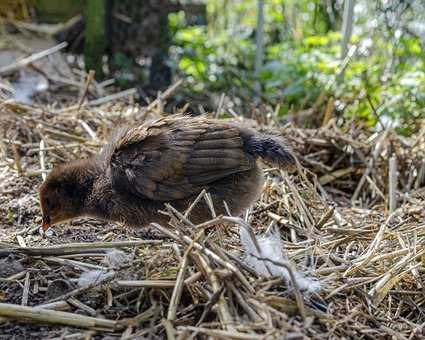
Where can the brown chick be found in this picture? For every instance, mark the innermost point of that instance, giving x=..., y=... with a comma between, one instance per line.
x=168, y=160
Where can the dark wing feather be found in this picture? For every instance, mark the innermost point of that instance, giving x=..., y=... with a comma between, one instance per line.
x=175, y=158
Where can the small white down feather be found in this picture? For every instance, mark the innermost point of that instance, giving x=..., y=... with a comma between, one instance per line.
x=271, y=247
x=114, y=259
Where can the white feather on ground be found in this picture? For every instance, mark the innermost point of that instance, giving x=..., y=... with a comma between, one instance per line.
x=94, y=277
x=114, y=259
x=271, y=247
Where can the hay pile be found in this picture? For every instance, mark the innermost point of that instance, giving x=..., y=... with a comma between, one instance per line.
x=91, y=279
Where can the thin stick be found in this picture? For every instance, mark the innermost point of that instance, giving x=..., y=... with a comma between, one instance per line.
x=376, y=152
x=421, y=175
x=74, y=248
x=65, y=135
x=210, y=203
x=194, y=203
x=243, y=303
x=26, y=290
x=73, y=263
x=147, y=284
x=220, y=105
x=76, y=303
x=169, y=329
x=392, y=185
x=55, y=317
x=89, y=80
x=178, y=289
x=223, y=308
x=42, y=160
x=325, y=218
x=113, y=97
x=164, y=95
x=103, y=100
x=17, y=158
x=83, y=289
x=32, y=58
x=297, y=292
x=88, y=129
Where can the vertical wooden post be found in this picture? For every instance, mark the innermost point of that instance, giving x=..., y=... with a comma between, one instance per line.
x=95, y=39
x=259, y=42
x=347, y=26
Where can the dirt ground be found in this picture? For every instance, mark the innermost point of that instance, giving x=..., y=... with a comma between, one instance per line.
x=332, y=217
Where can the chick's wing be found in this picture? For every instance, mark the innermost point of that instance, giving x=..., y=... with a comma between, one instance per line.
x=175, y=158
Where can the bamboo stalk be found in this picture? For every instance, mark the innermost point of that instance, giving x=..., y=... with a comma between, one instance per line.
x=37, y=314
x=74, y=248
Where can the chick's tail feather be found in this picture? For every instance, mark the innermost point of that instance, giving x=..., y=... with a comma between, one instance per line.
x=272, y=149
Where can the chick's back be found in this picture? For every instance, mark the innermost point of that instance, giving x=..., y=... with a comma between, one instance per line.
x=174, y=158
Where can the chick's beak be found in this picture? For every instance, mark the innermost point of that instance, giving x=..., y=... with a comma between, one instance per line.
x=46, y=223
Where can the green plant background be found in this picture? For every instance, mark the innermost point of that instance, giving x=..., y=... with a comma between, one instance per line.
x=383, y=82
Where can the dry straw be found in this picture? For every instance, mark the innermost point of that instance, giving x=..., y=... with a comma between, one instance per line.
x=351, y=216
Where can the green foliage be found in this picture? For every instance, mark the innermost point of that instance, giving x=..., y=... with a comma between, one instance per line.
x=384, y=80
